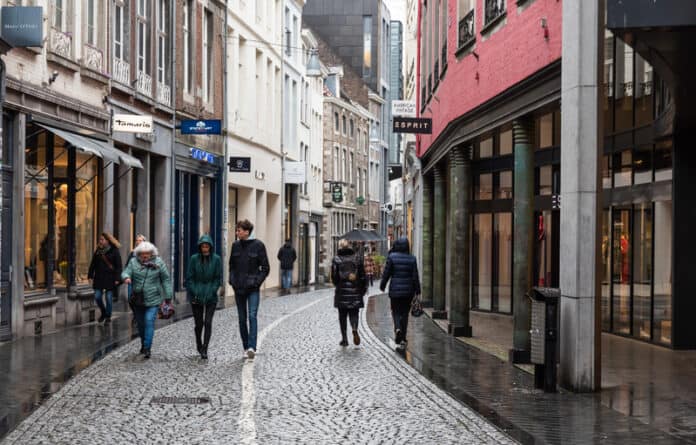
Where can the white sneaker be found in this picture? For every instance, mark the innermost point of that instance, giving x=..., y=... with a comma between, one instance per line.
x=250, y=353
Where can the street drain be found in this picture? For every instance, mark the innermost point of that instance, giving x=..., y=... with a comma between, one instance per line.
x=180, y=400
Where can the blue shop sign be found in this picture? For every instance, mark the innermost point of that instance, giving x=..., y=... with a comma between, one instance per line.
x=208, y=126
x=22, y=26
x=202, y=155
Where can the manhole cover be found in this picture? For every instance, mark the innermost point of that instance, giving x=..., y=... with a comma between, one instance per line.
x=181, y=400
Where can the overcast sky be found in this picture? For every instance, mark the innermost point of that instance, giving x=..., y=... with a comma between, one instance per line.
x=398, y=10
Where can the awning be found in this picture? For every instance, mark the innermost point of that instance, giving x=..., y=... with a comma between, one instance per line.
x=101, y=149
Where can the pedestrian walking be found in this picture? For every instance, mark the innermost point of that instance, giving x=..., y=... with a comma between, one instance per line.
x=248, y=269
x=369, y=268
x=348, y=275
x=105, y=274
x=203, y=282
x=151, y=285
x=287, y=256
x=139, y=238
x=402, y=270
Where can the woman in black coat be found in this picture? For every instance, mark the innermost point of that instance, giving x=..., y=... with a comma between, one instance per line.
x=348, y=275
x=105, y=273
x=402, y=269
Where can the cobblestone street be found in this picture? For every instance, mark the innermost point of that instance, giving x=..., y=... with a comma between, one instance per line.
x=302, y=387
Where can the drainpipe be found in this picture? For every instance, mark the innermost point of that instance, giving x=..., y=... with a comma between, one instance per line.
x=173, y=216
x=225, y=169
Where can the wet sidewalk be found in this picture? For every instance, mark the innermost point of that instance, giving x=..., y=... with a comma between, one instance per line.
x=33, y=368
x=622, y=413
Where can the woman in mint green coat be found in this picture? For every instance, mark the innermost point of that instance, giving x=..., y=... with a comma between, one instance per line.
x=204, y=283
x=151, y=284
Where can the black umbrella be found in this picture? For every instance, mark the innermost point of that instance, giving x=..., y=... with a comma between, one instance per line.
x=358, y=235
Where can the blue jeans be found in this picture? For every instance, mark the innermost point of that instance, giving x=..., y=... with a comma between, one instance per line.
x=106, y=311
x=286, y=278
x=145, y=317
x=248, y=335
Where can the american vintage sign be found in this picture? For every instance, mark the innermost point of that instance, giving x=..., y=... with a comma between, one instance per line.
x=419, y=125
x=133, y=123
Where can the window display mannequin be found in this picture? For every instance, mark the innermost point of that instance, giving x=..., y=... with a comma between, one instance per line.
x=60, y=204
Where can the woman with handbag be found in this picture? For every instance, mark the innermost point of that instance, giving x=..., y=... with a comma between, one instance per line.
x=105, y=273
x=203, y=282
x=150, y=278
x=348, y=275
x=139, y=238
x=402, y=270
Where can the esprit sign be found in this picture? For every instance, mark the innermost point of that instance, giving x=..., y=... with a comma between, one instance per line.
x=133, y=123
x=22, y=26
x=404, y=108
x=412, y=125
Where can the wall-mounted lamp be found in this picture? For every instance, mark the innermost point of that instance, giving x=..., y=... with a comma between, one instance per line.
x=545, y=27
x=52, y=78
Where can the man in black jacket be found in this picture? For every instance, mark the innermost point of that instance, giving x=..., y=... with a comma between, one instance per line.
x=287, y=257
x=402, y=269
x=248, y=270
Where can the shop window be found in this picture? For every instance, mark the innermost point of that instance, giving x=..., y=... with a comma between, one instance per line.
x=621, y=270
x=482, y=267
x=484, y=149
x=663, y=161
x=606, y=272
x=623, y=106
x=503, y=241
x=608, y=75
x=662, y=299
x=545, y=180
x=506, y=142
x=85, y=214
x=642, y=164
x=642, y=269
x=60, y=212
x=544, y=240
x=544, y=127
x=504, y=189
x=37, y=245
x=484, y=187
x=606, y=171
x=622, y=166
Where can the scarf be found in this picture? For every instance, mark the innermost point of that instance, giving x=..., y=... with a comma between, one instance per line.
x=103, y=251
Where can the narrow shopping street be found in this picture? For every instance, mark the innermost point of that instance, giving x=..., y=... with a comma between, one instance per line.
x=302, y=387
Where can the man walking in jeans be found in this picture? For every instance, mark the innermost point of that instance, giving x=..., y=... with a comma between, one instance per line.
x=287, y=257
x=248, y=270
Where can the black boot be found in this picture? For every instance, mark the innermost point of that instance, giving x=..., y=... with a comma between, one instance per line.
x=147, y=353
x=344, y=339
x=204, y=352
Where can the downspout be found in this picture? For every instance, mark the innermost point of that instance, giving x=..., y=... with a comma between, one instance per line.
x=225, y=186
x=173, y=216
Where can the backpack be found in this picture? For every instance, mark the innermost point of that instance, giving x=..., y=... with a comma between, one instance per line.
x=347, y=269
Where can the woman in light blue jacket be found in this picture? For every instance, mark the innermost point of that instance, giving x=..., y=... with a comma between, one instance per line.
x=151, y=285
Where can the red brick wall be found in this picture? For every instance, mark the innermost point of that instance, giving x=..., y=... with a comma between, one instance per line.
x=507, y=56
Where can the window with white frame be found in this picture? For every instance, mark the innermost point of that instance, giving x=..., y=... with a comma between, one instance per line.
x=336, y=174
x=188, y=39
x=120, y=26
x=466, y=22
x=92, y=21
x=61, y=9
x=207, y=54
x=162, y=42
x=344, y=167
x=143, y=30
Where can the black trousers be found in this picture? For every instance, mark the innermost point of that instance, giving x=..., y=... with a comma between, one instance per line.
x=343, y=314
x=400, y=308
x=203, y=319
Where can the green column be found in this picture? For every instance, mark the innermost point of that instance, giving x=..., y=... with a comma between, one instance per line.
x=439, y=243
x=427, y=250
x=523, y=248
x=458, y=241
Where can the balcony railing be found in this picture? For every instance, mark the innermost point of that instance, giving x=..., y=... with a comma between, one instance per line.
x=121, y=71
x=164, y=94
x=61, y=43
x=93, y=58
x=144, y=84
x=466, y=29
x=494, y=9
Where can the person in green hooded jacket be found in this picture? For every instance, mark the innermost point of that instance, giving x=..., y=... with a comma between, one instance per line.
x=204, y=284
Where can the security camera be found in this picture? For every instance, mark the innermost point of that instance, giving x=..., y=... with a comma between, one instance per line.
x=53, y=77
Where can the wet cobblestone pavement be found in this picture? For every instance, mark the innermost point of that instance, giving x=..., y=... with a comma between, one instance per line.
x=301, y=388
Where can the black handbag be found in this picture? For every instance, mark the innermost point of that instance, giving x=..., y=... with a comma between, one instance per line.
x=138, y=298
x=416, y=307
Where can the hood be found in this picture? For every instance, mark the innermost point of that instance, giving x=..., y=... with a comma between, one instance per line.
x=287, y=245
x=206, y=239
x=401, y=245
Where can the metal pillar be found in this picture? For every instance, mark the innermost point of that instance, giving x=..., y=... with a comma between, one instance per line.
x=439, y=244
x=523, y=248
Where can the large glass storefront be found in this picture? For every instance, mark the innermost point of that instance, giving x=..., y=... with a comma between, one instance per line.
x=60, y=186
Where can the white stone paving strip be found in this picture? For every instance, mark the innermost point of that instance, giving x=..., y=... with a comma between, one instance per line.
x=247, y=423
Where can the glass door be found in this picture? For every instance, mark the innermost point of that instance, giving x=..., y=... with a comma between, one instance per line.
x=621, y=270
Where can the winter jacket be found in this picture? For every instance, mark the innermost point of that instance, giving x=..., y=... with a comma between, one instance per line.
x=105, y=270
x=402, y=269
x=287, y=256
x=204, y=274
x=248, y=266
x=153, y=280
x=349, y=293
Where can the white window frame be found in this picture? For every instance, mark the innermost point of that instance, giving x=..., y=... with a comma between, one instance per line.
x=60, y=17
x=205, y=44
x=187, y=33
x=92, y=22
x=119, y=32
x=143, y=33
x=162, y=31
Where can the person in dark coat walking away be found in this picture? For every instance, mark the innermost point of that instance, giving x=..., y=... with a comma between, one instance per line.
x=203, y=282
x=402, y=270
x=287, y=257
x=105, y=273
x=151, y=285
x=348, y=275
x=248, y=269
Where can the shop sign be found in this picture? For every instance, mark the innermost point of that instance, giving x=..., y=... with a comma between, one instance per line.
x=336, y=192
x=22, y=26
x=419, y=125
x=294, y=172
x=202, y=155
x=405, y=108
x=133, y=123
x=239, y=164
x=209, y=126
